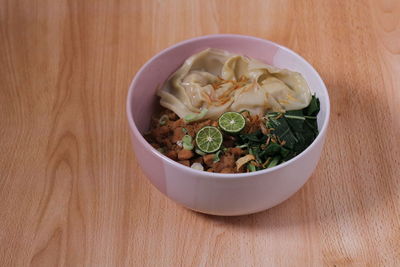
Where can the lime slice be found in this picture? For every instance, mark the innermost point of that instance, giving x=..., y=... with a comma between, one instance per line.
x=209, y=139
x=231, y=122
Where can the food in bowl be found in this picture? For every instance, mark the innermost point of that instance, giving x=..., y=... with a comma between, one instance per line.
x=209, y=192
x=227, y=113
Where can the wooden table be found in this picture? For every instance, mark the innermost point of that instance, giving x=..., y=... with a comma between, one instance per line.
x=72, y=194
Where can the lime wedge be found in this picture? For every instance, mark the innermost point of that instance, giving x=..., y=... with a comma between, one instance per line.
x=231, y=122
x=209, y=139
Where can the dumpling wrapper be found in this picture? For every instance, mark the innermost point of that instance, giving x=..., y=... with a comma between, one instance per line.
x=262, y=87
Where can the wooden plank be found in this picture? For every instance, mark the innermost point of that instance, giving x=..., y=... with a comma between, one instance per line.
x=72, y=194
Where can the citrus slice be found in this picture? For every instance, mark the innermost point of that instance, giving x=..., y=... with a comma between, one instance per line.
x=209, y=139
x=231, y=122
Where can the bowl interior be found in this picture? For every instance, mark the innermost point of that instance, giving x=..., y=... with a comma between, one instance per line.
x=142, y=101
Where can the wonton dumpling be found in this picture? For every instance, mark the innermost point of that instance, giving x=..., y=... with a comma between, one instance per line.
x=287, y=87
x=251, y=98
x=235, y=67
x=195, y=83
x=185, y=92
x=219, y=81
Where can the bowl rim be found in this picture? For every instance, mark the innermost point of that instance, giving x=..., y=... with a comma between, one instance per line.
x=184, y=168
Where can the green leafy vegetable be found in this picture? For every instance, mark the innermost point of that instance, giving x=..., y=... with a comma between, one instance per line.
x=161, y=150
x=271, y=149
x=289, y=134
x=251, y=167
x=199, y=152
x=187, y=142
x=216, y=156
x=195, y=116
x=299, y=128
x=283, y=130
x=284, y=152
x=163, y=119
x=256, y=137
x=313, y=108
x=275, y=160
x=295, y=118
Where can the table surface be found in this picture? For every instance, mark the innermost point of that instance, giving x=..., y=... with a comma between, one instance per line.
x=72, y=193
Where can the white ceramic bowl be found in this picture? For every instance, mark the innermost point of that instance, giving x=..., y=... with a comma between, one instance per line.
x=221, y=194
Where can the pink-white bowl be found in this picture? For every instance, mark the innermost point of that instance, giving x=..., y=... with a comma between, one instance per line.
x=221, y=194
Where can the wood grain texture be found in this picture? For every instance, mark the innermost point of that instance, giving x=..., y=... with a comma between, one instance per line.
x=72, y=194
